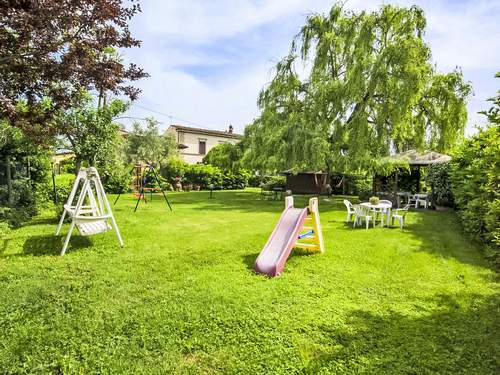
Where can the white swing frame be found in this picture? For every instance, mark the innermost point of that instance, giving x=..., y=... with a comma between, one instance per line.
x=91, y=218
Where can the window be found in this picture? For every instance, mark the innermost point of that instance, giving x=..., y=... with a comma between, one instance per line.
x=202, y=147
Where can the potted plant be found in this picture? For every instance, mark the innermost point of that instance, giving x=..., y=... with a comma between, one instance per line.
x=374, y=200
x=177, y=183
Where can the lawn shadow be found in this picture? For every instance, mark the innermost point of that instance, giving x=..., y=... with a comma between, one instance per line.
x=249, y=259
x=441, y=234
x=52, y=245
x=443, y=334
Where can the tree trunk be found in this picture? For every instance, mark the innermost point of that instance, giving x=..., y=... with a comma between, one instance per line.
x=78, y=165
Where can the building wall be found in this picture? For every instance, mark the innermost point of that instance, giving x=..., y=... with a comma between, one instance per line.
x=191, y=154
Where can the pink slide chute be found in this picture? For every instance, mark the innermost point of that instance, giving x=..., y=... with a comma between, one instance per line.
x=273, y=256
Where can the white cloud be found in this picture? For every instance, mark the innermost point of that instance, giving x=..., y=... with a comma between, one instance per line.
x=201, y=20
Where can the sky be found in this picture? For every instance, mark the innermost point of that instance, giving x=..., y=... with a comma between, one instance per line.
x=209, y=59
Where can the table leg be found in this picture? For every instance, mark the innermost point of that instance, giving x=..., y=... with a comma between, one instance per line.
x=388, y=216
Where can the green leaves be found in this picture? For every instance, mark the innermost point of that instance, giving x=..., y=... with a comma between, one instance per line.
x=476, y=187
x=146, y=144
x=368, y=88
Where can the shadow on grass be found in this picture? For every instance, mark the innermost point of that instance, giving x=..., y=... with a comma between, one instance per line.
x=249, y=259
x=441, y=234
x=447, y=334
x=52, y=245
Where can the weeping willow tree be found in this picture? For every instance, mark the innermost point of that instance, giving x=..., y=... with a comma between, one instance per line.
x=366, y=87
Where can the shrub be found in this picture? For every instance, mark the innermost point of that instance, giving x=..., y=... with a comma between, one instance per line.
x=64, y=183
x=24, y=205
x=67, y=166
x=438, y=178
x=359, y=185
x=255, y=180
x=271, y=182
x=175, y=167
x=475, y=184
x=116, y=178
x=202, y=175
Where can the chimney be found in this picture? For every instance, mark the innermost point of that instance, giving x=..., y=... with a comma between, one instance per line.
x=230, y=131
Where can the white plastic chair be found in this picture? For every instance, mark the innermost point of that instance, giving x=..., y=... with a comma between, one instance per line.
x=423, y=199
x=400, y=215
x=382, y=211
x=362, y=212
x=413, y=200
x=350, y=210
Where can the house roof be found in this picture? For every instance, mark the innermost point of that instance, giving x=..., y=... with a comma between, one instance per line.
x=217, y=133
x=413, y=157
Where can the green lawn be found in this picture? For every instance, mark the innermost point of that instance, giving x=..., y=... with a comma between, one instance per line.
x=181, y=296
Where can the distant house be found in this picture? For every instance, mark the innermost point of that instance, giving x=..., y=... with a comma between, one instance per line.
x=195, y=143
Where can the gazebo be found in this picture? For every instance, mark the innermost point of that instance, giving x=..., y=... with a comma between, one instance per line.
x=415, y=160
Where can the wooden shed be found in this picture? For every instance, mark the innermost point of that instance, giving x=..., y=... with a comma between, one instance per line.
x=307, y=182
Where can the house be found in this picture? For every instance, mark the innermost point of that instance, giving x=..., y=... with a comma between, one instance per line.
x=195, y=143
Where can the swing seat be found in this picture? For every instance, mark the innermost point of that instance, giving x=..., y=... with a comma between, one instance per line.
x=93, y=227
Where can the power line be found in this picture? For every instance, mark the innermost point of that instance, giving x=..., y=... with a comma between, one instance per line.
x=133, y=118
x=170, y=116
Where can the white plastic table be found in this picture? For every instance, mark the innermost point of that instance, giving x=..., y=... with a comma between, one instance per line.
x=383, y=208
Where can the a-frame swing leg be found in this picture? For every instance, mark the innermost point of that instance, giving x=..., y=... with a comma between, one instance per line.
x=159, y=185
x=141, y=194
x=103, y=201
x=61, y=221
x=68, y=236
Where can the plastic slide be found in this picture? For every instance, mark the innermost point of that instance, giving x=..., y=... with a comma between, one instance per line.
x=273, y=256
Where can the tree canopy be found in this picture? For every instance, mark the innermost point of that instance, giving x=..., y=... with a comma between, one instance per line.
x=53, y=51
x=146, y=144
x=367, y=87
x=90, y=131
x=225, y=156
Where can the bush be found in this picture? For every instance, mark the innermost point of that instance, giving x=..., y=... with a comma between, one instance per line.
x=438, y=178
x=174, y=168
x=359, y=185
x=68, y=166
x=116, y=179
x=475, y=185
x=64, y=183
x=255, y=180
x=25, y=204
x=271, y=182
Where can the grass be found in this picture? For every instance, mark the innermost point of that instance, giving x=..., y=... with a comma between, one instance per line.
x=181, y=296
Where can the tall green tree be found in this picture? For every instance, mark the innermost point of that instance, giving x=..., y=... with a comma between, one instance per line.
x=146, y=144
x=368, y=88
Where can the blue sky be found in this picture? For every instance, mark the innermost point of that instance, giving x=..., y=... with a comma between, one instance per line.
x=208, y=60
